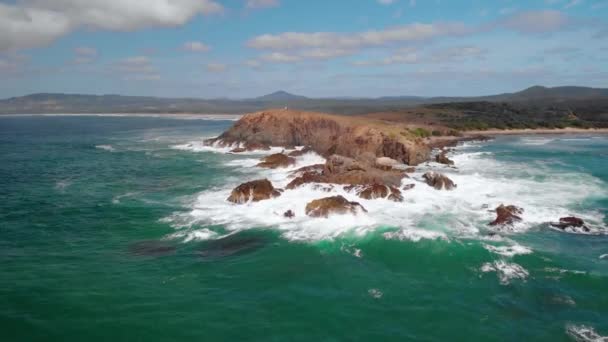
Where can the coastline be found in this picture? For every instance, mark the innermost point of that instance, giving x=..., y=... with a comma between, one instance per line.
x=529, y=131
x=182, y=116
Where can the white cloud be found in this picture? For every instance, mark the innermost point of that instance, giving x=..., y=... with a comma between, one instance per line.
x=573, y=3
x=537, y=21
x=85, y=55
x=280, y=57
x=386, y=2
x=262, y=3
x=332, y=40
x=33, y=23
x=411, y=56
x=253, y=63
x=216, y=67
x=196, y=47
x=136, y=68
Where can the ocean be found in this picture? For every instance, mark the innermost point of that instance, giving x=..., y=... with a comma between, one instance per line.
x=118, y=228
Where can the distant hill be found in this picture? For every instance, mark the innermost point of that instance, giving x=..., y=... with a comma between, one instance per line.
x=280, y=96
x=567, y=98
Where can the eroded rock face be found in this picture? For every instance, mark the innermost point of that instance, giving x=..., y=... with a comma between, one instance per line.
x=438, y=181
x=442, y=158
x=332, y=205
x=571, y=222
x=507, y=215
x=375, y=191
x=253, y=191
x=327, y=134
x=277, y=160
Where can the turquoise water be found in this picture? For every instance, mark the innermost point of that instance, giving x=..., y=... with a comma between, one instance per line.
x=115, y=228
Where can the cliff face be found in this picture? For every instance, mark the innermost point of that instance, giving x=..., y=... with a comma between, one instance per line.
x=355, y=137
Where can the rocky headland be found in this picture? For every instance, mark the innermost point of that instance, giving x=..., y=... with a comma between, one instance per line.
x=365, y=157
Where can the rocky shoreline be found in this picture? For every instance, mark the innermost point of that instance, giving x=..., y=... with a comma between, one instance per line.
x=368, y=158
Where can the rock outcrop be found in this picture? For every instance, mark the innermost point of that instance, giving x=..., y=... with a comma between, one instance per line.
x=289, y=214
x=507, y=215
x=442, y=158
x=348, y=171
x=332, y=205
x=571, y=223
x=327, y=134
x=438, y=181
x=253, y=191
x=277, y=160
x=375, y=191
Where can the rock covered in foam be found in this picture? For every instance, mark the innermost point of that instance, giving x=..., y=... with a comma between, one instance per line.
x=298, y=153
x=442, y=158
x=247, y=147
x=375, y=191
x=253, y=191
x=277, y=160
x=332, y=205
x=438, y=181
x=344, y=170
x=571, y=223
x=507, y=215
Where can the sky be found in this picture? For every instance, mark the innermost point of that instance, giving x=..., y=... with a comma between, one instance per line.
x=317, y=48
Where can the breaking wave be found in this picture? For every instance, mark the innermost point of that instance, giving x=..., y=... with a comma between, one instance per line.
x=483, y=184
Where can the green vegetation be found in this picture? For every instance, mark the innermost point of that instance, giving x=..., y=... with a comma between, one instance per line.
x=420, y=132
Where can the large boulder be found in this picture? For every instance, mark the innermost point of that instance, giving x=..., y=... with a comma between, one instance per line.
x=375, y=191
x=438, y=181
x=277, y=160
x=332, y=205
x=253, y=191
x=571, y=223
x=507, y=215
x=386, y=163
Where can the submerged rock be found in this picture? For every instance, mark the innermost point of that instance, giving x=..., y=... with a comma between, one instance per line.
x=507, y=215
x=332, y=205
x=277, y=160
x=375, y=191
x=438, y=181
x=571, y=222
x=289, y=214
x=232, y=245
x=410, y=170
x=151, y=248
x=253, y=191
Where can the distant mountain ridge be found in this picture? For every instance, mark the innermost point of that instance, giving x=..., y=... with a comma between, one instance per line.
x=82, y=103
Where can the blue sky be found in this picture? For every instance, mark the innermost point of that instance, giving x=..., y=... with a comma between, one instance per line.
x=321, y=48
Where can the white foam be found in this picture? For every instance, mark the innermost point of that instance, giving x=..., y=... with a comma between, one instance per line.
x=116, y=199
x=505, y=271
x=108, y=148
x=536, y=141
x=583, y=333
x=375, y=293
x=483, y=184
x=604, y=256
x=508, y=251
x=415, y=235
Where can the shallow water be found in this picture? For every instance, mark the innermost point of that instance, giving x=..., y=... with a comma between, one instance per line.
x=117, y=228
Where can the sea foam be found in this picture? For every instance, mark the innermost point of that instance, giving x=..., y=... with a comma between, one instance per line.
x=483, y=184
